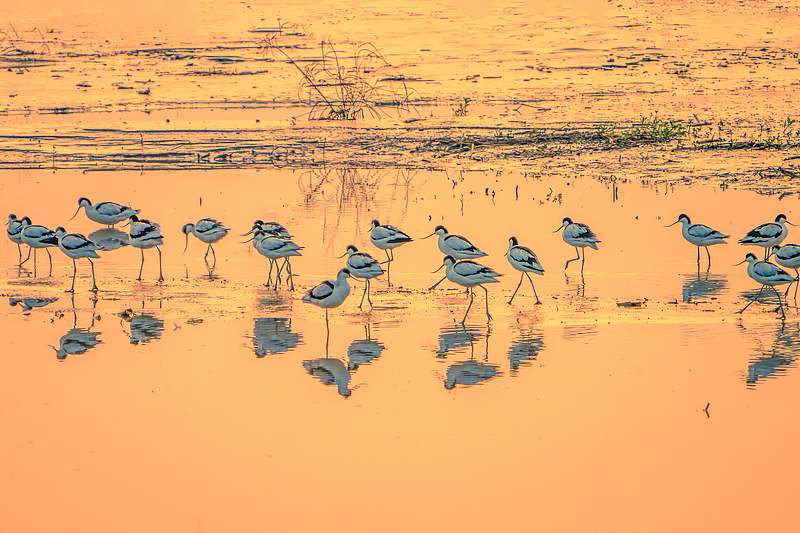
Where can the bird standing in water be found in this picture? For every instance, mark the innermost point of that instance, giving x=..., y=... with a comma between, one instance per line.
x=580, y=236
x=700, y=235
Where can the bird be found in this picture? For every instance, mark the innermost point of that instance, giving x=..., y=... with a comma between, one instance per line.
x=330, y=371
x=387, y=238
x=700, y=235
x=208, y=231
x=455, y=246
x=767, y=235
x=273, y=247
x=329, y=293
x=75, y=246
x=577, y=235
x=108, y=213
x=524, y=260
x=145, y=234
x=766, y=274
x=788, y=256
x=269, y=227
x=36, y=237
x=14, y=232
x=363, y=266
x=469, y=274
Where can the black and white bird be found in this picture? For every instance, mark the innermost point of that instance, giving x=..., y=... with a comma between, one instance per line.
x=363, y=266
x=108, y=213
x=469, y=274
x=524, y=260
x=76, y=246
x=580, y=236
x=767, y=235
x=143, y=235
x=272, y=246
x=387, y=238
x=788, y=256
x=766, y=274
x=330, y=293
x=455, y=246
x=700, y=235
x=269, y=227
x=14, y=232
x=208, y=231
x=36, y=237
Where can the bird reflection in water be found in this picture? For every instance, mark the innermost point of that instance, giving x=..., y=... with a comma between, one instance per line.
x=143, y=328
x=525, y=350
x=775, y=360
x=330, y=371
x=109, y=238
x=28, y=304
x=273, y=336
x=456, y=339
x=76, y=341
x=363, y=351
x=698, y=286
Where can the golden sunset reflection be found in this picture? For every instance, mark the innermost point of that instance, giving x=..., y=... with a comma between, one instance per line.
x=635, y=397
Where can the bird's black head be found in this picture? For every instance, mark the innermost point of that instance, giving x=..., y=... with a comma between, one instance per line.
x=440, y=227
x=513, y=241
x=566, y=220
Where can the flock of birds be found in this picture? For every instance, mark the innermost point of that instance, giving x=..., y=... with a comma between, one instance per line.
x=274, y=242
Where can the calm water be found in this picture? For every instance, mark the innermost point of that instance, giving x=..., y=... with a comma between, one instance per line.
x=209, y=403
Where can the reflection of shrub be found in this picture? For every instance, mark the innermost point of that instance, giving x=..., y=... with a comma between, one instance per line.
x=340, y=86
x=11, y=43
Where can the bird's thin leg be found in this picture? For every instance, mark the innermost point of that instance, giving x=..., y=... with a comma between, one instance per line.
x=751, y=301
x=471, y=296
x=269, y=274
x=796, y=283
x=518, y=286
x=366, y=287
x=19, y=249
x=437, y=283
x=94, y=285
x=534, y=289
x=327, y=332
x=26, y=259
x=388, y=259
x=74, y=273
x=488, y=316
x=289, y=270
x=160, y=274
x=709, y=257
x=207, y=249
x=368, y=298
x=213, y=253
x=780, y=304
x=698, y=257
x=50, y=258
x=141, y=266
x=571, y=260
x=583, y=260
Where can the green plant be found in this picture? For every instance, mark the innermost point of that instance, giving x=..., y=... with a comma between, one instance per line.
x=463, y=108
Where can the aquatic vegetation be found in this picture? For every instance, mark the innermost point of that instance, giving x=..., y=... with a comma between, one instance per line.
x=339, y=85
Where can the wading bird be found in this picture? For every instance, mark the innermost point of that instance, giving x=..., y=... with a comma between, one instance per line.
x=329, y=294
x=109, y=213
x=580, y=236
x=76, y=246
x=767, y=235
x=469, y=274
x=273, y=247
x=455, y=246
x=14, y=232
x=208, y=231
x=766, y=274
x=36, y=237
x=362, y=266
x=145, y=234
x=387, y=238
x=524, y=260
x=700, y=235
x=788, y=256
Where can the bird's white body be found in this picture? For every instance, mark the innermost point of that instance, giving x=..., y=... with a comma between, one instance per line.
x=456, y=246
x=37, y=236
x=700, y=234
x=330, y=293
x=108, y=213
x=767, y=235
x=579, y=235
x=787, y=256
x=76, y=246
x=362, y=265
x=207, y=230
x=767, y=273
x=470, y=274
x=523, y=259
x=269, y=227
x=15, y=226
x=145, y=234
x=273, y=247
x=386, y=237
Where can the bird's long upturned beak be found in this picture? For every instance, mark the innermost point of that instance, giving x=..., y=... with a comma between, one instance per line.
x=431, y=235
x=340, y=256
x=668, y=225
x=740, y=262
x=559, y=229
x=246, y=234
x=187, y=243
x=76, y=212
x=438, y=269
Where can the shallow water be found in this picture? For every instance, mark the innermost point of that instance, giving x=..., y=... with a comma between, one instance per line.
x=213, y=401
x=634, y=398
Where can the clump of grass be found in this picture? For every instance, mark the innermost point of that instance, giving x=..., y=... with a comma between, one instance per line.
x=339, y=85
x=12, y=44
x=463, y=108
